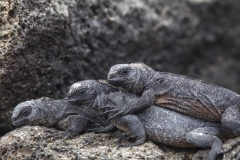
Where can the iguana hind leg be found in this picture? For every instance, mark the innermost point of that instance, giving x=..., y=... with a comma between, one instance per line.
x=231, y=119
x=206, y=137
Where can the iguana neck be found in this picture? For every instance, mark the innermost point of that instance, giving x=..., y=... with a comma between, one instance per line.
x=53, y=111
x=104, y=87
x=153, y=77
x=143, y=77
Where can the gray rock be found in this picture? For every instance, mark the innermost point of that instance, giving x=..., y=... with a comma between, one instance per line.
x=45, y=46
x=29, y=143
x=235, y=153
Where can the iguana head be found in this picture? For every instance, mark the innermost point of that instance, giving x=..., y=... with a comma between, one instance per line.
x=87, y=90
x=131, y=77
x=28, y=113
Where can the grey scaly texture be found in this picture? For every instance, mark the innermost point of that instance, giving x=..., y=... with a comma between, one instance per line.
x=193, y=97
x=157, y=123
x=57, y=113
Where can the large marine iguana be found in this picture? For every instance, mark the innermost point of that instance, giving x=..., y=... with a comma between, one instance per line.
x=159, y=124
x=57, y=113
x=193, y=97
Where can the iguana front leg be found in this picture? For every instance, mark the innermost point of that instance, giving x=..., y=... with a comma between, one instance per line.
x=73, y=125
x=131, y=123
x=134, y=104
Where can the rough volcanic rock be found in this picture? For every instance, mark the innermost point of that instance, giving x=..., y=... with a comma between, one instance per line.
x=45, y=46
x=29, y=143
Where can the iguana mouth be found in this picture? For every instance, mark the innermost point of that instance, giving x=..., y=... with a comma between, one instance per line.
x=19, y=123
x=72, y=100
x=78, y=101
x=115, y=81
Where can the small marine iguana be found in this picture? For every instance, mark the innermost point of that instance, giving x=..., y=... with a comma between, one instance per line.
x=159, y=124
x=58, y=113
x=193, y=97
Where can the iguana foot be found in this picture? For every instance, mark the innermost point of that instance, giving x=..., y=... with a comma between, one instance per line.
x=124, y=137
x=124, y=145
x=93, y=128
x=58, y=135
x=108, y=111
x=98, y=129
x=237, y=154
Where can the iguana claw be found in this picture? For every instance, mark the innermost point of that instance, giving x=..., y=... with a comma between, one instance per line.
x=59, y=135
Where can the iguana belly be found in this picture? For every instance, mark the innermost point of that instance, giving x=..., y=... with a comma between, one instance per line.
x=160, y=136
x=170, y=127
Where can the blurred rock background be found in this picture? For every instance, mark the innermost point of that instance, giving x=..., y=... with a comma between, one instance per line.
x=45, y=46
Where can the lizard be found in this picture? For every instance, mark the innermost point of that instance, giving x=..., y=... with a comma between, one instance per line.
x=190, y=96
x=159, y=124
x=57, y=113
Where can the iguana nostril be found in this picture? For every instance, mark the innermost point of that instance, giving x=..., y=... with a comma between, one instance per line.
x=13, y=119
x=71, y=101
x=109, y=76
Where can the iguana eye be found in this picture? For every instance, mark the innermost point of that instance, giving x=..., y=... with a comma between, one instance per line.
x=81, y=92
x=26, y=112
x=124, y=71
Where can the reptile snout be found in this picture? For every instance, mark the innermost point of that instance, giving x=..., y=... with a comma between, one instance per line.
x=109, y=76
x=14, y=116
x=113, y=70
x=14, y=121
x=72, y=101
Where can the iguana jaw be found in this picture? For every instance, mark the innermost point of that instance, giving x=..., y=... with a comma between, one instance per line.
x=20, y=122
x=73, y=100
x=116, y=81
x=78, y=101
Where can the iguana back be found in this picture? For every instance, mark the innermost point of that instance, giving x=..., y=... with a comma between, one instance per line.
x=191, y=96
x=180, y=93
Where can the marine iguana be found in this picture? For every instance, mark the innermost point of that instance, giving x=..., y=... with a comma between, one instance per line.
x=193, y=97
x=159, y=124
x=58, y=113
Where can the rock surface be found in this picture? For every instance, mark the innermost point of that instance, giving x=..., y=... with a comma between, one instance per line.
x=45, y=46
x=29, y=143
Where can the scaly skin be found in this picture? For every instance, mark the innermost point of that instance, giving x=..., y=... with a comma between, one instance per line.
x=157, y=123
x=58, y=113
x=193, y=97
